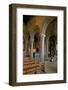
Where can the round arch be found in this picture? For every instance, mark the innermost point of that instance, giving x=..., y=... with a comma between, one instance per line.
x=35, y=36
x=51, y=39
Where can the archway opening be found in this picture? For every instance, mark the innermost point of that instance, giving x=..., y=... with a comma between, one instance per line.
x=51, y=41
x=36, y=45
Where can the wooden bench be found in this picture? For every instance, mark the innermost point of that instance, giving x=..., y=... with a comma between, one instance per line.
x=31, y=67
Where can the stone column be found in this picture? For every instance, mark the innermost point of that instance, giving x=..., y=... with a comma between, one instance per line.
x=42, y=47
x=47, y=48
x=32, y=42
x=26, y=48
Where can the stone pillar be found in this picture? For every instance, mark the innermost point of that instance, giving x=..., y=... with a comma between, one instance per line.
x=42, y=47
x=47, y=48
x=26, y=48
x=32, y=42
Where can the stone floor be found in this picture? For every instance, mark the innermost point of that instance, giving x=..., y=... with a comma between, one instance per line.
x=50, y=67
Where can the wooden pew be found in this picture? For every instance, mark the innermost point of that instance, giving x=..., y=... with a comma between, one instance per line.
x=31, y=67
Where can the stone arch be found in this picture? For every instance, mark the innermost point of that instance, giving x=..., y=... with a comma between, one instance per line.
x=35, y=39
x=47, y=22
x=26, y=40
x=51, y=31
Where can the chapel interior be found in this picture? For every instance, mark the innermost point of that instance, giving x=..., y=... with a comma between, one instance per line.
x=39, y=44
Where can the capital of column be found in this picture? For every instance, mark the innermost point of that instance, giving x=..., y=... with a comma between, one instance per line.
x=43, y=35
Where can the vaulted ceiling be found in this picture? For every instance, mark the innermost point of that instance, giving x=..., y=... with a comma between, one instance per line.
x=37, y=22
